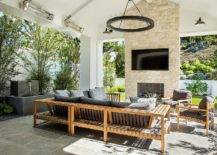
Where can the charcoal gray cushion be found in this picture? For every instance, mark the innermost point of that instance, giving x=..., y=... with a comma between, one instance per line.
x=206, y=100
x=77, y=93
x=120, y=104
x=63, y=93
x=95, y=101
x=67, y=99
x=181, y=94
x=98, y=93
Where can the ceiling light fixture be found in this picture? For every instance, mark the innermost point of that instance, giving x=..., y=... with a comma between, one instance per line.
x=148, y=22
x=199, y=21
x=27, y=5
x=71, y=24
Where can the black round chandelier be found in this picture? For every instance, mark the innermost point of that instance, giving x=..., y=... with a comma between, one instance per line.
x=148, y=22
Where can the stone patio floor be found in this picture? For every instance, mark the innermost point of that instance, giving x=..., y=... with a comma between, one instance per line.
x=17, y=136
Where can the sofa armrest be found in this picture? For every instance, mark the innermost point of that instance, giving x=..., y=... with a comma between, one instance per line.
x=191, y=108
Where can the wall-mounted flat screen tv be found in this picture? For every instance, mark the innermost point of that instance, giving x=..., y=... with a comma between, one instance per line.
x=150, y=59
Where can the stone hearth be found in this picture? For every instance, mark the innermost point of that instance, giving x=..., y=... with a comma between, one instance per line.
x=150, y=88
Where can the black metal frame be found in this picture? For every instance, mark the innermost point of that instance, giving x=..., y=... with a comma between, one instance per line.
x=147, y=20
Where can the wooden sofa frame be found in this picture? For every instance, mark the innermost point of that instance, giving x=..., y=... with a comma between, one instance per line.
x=159, y=116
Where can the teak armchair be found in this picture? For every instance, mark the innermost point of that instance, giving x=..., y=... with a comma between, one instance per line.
x=200, y=114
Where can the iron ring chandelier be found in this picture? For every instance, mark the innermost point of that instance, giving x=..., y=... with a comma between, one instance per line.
x=148, y=21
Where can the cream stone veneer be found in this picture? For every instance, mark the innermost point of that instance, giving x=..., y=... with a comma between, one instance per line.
x=165, y=34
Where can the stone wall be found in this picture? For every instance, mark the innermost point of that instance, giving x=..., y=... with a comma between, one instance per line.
x=165, y=34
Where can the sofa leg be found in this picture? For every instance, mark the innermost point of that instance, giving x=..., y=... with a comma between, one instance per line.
x=178, y=123
x=105, y=136
x=163, y=145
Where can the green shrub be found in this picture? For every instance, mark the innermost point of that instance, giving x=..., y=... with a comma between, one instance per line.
x=5, y=109
x=197, y=87
x=114, y=89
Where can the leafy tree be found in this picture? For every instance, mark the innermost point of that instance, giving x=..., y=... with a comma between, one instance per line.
x=10, y=42
x=69, y=57
x=195, y=67
x=41, y=45
x=109, y=70
x=119, y=59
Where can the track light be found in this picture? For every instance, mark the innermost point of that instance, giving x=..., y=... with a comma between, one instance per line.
x=107, y=31
x=27, y=5
x=199, y=21
x=71, y=24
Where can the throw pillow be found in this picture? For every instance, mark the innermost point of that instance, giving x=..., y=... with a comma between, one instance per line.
x=98, y=93
x=144, y=103
x=63, y=93
x=134, y=99
x=77, y=93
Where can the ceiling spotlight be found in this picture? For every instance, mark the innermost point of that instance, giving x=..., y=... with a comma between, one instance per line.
x=71, y=24
x=199, y=21
x=108, y=31
x=27, y=5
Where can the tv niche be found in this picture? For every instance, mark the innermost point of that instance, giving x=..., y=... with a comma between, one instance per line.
x=150, y=59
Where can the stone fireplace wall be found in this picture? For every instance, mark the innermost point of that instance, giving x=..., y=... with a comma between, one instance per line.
x=165, y=34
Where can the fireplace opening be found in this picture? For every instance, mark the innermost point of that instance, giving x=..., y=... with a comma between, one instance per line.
x=149, y=89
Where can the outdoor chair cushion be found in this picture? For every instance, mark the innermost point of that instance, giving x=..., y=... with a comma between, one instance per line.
x=77, y=93
x=181, y=94
x=98, y=93
x=196, y=115
x=63, y=93
x=206, y=100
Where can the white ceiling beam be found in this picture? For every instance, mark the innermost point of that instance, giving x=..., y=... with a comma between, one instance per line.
x=79, y=9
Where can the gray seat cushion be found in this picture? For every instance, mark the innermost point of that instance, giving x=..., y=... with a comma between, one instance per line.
x=63, y=93
x=98, y=93
x=95, y=101
x=67, y=99
x=120, y=104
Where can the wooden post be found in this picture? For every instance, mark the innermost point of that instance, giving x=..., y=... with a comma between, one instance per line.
x=35, y=113
x=207, y=119
x=72, y=120
x=105, y=124
x=178, y=118
x=69, y=119
x=162, y=135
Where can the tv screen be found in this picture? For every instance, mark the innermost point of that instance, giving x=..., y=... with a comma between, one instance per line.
x=150, y=59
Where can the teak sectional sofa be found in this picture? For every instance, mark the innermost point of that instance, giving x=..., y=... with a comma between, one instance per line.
x=113, y=118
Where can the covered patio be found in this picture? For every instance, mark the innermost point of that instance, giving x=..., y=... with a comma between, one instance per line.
x=87, y=21
x=17, y=135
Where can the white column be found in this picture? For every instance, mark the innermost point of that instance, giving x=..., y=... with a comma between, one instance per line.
x=88, y=62
x=99, y=65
